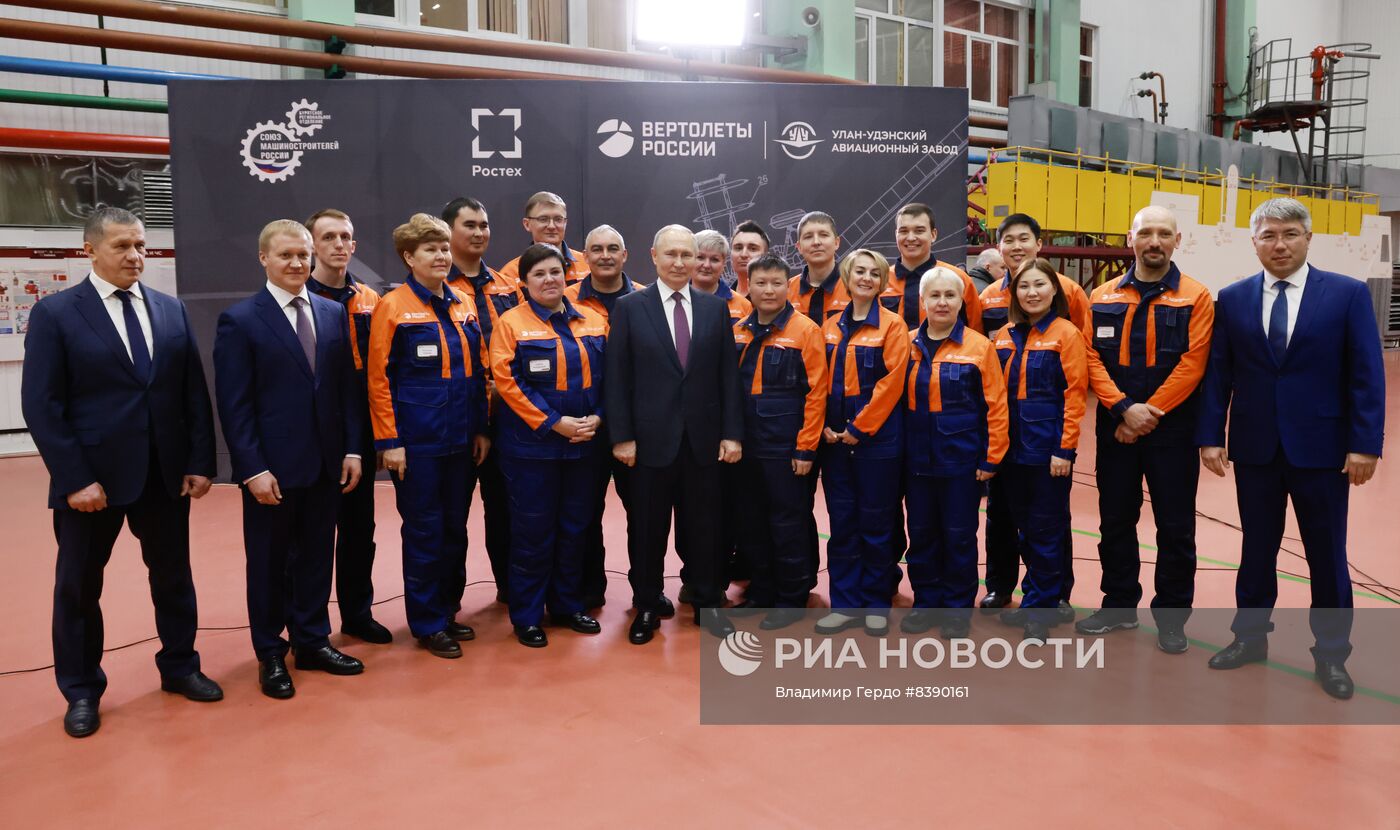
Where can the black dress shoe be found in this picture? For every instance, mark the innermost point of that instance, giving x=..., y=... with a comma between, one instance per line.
x=1172, y=640
x=327, y=659
x=643, y=625
x=1239, y=653
x=714, y=622
x=664, y=609
x=1066, y=613
x=531, y=635
x=955, y=628
x=459, y=632
x=1037, y=631
x=686, y=596
x=919, y=620
x=580, y=622
x=779, y=618
x=1014, y=617
x=994, y=600
x=1334, y=678
x=440, y=645
x=369, y=630
x=82, y=719
x=744, y=608
x=193, y=686
x=274, y=679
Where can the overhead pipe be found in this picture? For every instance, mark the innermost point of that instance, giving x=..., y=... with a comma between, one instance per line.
x=1218, y=78
x=100, y=71
x=986, y=122
x=148, y=145
x=99, y=102
x=368, y=36
x=193, y=47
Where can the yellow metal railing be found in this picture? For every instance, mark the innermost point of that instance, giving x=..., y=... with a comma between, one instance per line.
x=1080, y=193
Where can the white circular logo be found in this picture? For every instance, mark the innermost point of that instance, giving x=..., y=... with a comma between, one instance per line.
x=741, y=653
x=618, y=141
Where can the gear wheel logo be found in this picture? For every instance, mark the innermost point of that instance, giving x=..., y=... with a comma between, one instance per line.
x=305, y=117
x=269, y=152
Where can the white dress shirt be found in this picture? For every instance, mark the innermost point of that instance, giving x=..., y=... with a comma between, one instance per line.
x=1295, y=281
x=113, y=304
x=668, y=305
x=284, y=301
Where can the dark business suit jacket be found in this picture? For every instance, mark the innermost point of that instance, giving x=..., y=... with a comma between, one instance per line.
x=1327, y=397
x=93, y=419
x=650, y=400
x=276, y=414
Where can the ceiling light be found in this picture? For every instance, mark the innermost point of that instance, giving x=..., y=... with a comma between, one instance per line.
x=713, y=23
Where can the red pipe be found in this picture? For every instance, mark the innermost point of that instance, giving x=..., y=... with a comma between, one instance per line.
x=149, y=145
x=369, y=36
x=138, y=42
x=1218, y=83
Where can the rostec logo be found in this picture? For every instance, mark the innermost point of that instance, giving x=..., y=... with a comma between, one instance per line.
x=799, y=140
x=618, y=140
x=479, y=113
x=741, y=653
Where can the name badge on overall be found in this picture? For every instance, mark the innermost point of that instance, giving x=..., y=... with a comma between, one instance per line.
x=427, y=350
x=541, y=365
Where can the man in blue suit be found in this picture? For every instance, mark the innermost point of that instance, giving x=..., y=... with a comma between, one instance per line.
x=285, y=386
x=115, y=399
x=1296, y=361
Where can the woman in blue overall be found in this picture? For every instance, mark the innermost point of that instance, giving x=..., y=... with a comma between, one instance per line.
x=547, y=361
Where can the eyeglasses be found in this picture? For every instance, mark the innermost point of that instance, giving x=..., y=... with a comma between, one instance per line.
x=1268, y=237
x=549, y=220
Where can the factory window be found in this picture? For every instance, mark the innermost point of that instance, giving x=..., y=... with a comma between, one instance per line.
x=981, y=50
x=544, y=20
x=383, y=8
x=895, y=42
x=1086, y=66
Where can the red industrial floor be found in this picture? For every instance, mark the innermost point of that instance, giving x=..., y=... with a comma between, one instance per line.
x=594, y=731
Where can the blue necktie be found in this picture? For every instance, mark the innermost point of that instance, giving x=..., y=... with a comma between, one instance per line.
x=135, y=338
x=1278, y=323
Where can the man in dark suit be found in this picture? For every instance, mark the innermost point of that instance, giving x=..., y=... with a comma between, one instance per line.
x=1296, y=361
x=673, y=413
x=115, y=398
x=285, y=386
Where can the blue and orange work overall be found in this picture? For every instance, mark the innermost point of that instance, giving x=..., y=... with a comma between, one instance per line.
x=593, y=586
x=354, y=530
x=782, y=374
x=427, y=394
x=1150, y=342
x=955, y=423
x=1047, y=375
x=818, y=302
x=548, y=365
x=490, y=294
x=901, y=294
x=575, y=267
x=1003, y=567
x=866, y=361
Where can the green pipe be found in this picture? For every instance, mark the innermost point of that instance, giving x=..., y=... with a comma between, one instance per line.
x=63, y=99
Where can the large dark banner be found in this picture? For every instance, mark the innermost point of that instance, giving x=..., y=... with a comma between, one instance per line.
x=634, y=155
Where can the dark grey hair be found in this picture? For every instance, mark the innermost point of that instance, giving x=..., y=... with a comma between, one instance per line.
x=1283, y=209
x=605, y=229
x=95, y=229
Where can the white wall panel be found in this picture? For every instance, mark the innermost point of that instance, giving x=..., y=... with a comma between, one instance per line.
x=1137, y=36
